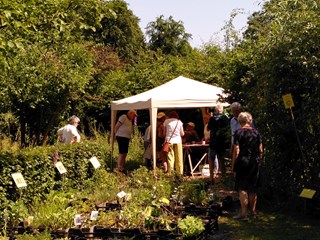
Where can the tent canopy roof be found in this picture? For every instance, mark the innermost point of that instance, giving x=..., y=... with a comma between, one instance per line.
x=180, y=92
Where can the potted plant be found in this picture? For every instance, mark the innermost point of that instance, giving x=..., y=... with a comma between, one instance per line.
x=191, y=227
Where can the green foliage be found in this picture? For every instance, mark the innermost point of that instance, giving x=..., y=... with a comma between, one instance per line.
x=46, y=60
x=278, y=56
x=38, y=236
x=190, y=226
x=168, y=36
x=119, y=29
x=54, y=200
x=54, y=212
x=105, y=187
x=134, y=158
x=194, y=192
x=15, y=213
x=38, y=170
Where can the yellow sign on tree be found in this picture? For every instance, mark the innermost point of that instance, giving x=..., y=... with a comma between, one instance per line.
x=288, y=101
x=307, y=193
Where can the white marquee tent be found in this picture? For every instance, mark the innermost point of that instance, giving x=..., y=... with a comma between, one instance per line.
x=180, y=92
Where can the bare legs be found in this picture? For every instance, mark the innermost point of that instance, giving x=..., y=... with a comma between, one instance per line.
x=243, y=195
x=247, y=199
x=253, y=203
x=121, y=161
x=164, y=161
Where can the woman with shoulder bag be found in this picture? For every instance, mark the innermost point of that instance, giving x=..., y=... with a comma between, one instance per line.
x=174, y=132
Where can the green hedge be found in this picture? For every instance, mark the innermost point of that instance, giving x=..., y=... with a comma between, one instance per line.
x=38, y=169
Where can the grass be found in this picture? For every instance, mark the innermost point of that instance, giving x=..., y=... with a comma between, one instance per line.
x=271, y=224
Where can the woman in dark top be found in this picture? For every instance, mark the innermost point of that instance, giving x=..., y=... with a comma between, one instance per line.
x=246, y=158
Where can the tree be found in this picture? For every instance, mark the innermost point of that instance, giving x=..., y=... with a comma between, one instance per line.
x=168, y=36
x=45, y=65
x=278, y=56
x=118, y=29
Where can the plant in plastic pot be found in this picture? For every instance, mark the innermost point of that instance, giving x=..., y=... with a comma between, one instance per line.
x=191, y=227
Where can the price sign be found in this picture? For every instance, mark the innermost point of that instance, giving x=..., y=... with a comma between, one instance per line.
x=60, y=167
x=19, y=180
x=95, y=162
x=288, y=101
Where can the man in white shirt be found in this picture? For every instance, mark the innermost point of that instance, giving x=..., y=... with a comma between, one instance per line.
x=69, y=133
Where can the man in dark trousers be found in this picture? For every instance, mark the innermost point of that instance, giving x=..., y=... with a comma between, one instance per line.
x=219, y=127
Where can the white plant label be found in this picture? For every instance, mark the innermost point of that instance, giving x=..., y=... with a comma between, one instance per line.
x=77, y=220
x=60, y=167
x=19, y=180
x=121, y=194
x=95, y=162
x=94, y=215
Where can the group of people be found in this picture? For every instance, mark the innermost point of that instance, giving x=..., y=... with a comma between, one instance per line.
x=169, y=129
x=245, y=149
x=246, y=153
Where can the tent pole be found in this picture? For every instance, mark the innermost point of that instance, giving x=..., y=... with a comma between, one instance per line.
x=113, y=123
x=153, y=122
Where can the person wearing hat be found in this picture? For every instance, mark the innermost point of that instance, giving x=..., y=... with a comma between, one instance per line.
x=190, y=134
x=123, y=130
x=161, y=116
x=69, y=133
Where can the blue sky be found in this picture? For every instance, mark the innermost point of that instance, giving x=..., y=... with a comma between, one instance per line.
x=201, y=18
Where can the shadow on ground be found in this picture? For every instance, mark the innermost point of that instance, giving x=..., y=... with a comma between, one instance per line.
x=272, y=223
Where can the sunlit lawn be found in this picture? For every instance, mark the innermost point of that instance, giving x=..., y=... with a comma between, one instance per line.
x=273, y=226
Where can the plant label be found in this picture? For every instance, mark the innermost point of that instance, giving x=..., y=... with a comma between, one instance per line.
x=19, y=180
x=60, y=167
x=77, y=220
x=205, y=170
x=307, y=193
x=94, y=215
x=288, y=101
x=121, y=194
x=95, y=162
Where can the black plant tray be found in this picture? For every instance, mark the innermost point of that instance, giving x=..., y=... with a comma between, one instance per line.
x=135, y=233
x=109, y=206
x=110, y=233
x=212, y=211
x=80, y=233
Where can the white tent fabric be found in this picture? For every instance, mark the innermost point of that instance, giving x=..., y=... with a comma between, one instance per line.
x=180, y=92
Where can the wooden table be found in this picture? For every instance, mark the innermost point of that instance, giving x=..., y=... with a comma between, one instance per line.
x=187, y=150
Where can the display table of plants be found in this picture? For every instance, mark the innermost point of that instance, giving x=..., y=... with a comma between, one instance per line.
x=141, y=205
